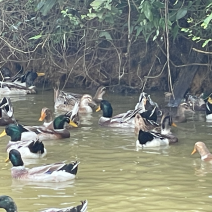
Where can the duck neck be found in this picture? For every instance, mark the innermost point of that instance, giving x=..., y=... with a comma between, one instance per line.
x=165, y=131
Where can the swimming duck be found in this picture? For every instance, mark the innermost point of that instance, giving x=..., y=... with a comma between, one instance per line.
x=9, y=205
x=144, y=124
x=56, y=129
x=28, y=149
x=150, y=114
x=150, y=139
x=166, y=123
x=197, y=103
x=47, y=115
x=181, y=109
x=20, y=84
x=57, y=172
x=153, y=139
x=18, y=132
x=203, y=151
x=6, y=112
x=209, y=109
x=123, y=120
x=141, y=101
x=65, y=101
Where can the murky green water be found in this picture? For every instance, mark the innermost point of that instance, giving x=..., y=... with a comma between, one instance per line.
x=112, y=175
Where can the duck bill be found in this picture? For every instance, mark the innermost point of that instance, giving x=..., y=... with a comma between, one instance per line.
x=3, y=133
x=42, y=116
x=7, y=160
x=194, y=151
x=73, y=124
x=174, y=125
x=40, y=74
x=98, y=109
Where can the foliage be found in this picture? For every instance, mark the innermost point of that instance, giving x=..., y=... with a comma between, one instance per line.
x=94, y=31
x=200, y=26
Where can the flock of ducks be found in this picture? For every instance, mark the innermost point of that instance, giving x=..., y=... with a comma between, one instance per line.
x=27, y=141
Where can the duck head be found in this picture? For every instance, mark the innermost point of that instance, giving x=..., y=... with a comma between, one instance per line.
x=60, y=121
x=7, y=203
x=15, y=158
x=14, y=131
x=106, y=108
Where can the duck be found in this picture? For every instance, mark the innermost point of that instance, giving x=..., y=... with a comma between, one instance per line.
x=209, y=109
x=56, y=172
x=6, y=112
x=32, y=149
x=47, y=115
x=203, y=151
x=18, y=132
x=56, y=129
x=21, y=84
x=65, y=101
x=28, y=149
x=181, y=109
x=123, y=120
x=144, y=124
x=197, y=103
x=153, y=138
x=151, y=114
x=166, y=123
x=7, y=203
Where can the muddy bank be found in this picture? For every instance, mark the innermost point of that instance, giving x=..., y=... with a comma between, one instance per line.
x=144, y=69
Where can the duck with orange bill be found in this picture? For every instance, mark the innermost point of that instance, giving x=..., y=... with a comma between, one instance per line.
x=204, y=152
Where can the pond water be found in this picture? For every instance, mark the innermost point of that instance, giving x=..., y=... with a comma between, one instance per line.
x=112, y=175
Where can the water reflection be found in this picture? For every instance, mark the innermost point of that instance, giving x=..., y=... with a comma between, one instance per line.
x=17, y=97
x=202, y=168
x=19, y=185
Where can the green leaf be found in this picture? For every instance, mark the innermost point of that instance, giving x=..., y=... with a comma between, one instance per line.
x=45, y=6
x=184, y=30
x=206, y=21
x=157, y=33
x=147, y=10
x=206, y=42
x=96, y=4
x=195, y=38
x=106, y=35
x=159, y=5
x=35, y=37
x=181, y=13
x=138, y=30
x=175, y=31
